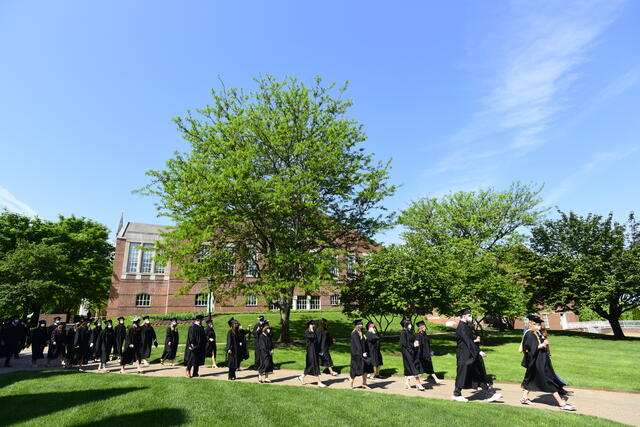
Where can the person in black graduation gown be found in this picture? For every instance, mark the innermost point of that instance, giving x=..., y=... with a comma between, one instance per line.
x=38, y=340
x=539, y=375
x=257, y=330
x=373, y=349
x=95, y=334
x=52, y=327
x=56, y=344
x=211, y=348
x=104, y=344
x=70, y=353
x=132, y=350
x=148, y=339
x=235, y=350
x=22, y=333
x=409, y=347
x=470, y=371
x=120, y=332
x=424, y=353
x=324, y=342
x=243, y=333
x=359, y=356
x=82, y=345
x=8, y=340
x=171, y=341
x=264, y=351
x=196, y=344
x=312, y=366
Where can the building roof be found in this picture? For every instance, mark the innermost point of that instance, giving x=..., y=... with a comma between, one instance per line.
x=140, y=231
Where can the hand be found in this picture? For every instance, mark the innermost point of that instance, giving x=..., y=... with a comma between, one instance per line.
x=229, y=351
x=241, y=344
x=211, y=339
x=169, y=343
x=91, y=345
x=483, y=354
x=416, y=343
x=364, y=354
x=333, y=340
x=271, y=352
x=54, y=343
x=477, y=339
x=130, y=345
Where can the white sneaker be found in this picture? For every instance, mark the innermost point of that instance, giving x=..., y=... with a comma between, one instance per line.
x=494, y=397
x=460, y=398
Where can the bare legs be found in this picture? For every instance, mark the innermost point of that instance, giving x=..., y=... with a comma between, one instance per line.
x=320, y=384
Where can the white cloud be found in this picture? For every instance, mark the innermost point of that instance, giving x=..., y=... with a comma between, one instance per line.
x=537, y=59
x=9, y=201
x=598, y=163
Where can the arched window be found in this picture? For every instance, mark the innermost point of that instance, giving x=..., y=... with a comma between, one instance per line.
x=143, y=300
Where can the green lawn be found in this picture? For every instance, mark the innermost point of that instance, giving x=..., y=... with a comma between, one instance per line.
x=583, y=360
x=58, y=398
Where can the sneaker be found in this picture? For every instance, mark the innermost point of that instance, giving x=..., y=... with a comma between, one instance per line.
x=494, y=397
x=567, y=407
x=459, y=398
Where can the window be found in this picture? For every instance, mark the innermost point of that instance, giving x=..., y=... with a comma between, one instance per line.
x=159, y=268
x=301, y=302
x=335, y=300
x=203, y=253
x=274, y=305
x=252, y=265
x=314, y=303
x=229, y=265
x=335, y=270
x=252, y=301
x=143, y=300
x=132, y=260
x=147, y=257
x=202, y=300
x=351, y=265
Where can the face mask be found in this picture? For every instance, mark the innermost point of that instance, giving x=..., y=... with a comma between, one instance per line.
x=99, y=324
x=121, y=322
x=147, y=321
x=109, y=326
x=410, y=327
x=57, y=322
x=174, y=323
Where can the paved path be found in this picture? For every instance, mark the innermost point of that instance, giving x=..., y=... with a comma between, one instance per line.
x=623, y=407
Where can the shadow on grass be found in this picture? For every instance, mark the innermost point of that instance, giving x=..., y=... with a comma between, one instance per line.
x=163, y=417
x=17, y=376
x=23, y=407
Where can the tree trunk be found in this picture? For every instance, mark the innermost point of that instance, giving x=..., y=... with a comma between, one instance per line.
x=614, y=321
x=33, y=322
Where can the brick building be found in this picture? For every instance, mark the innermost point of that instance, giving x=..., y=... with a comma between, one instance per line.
x=141, y=286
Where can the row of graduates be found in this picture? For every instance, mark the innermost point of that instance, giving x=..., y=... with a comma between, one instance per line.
x=13, y=337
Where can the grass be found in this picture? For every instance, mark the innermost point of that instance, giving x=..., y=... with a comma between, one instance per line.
x=581, y=359
x=46, y=398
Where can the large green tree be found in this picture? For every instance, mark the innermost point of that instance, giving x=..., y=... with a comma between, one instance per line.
x=53, y=264
x=478, y=230
x=276, y=183
x=590, y=261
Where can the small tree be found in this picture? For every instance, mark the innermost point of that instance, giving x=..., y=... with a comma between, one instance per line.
x=275, y=184
x=591, y=261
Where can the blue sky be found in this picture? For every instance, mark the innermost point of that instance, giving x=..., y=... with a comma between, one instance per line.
x=460, y=94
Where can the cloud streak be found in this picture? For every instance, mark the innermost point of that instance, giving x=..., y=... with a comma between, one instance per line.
x=537, y=60
x=9, y=201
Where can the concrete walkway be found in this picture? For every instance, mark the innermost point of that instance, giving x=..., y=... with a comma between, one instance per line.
x=619, y=406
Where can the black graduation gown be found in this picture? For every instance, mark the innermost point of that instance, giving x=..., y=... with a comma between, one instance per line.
x=373, y=349
x=22, y=332
x=211, y=347
x=170, y=344
x=324, y=342
x=237, y=352
x=148, y=339
x=81, y=344
x=38, y=339
x=312, y=366
x=408, y=354
x=119, y=336
x=539, y=375
x=95, y=334
x=104, y=344
x=70, y=351
x=244, y=349
x=358, y=348
x=196, y=343
x=423, y=355
x=470, y=367
x=264, y=347
x=56, y=344
x=132, y=354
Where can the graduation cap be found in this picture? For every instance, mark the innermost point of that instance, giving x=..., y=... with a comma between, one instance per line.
x=404, y=322
x=232, y=321
x=463, y=312
x=108, y=322
x=261, y=318
x=145, y=318
x=121, y=318
x=136, y=319
x=357, y=322
x=173, y=319
x=311, y=322
x=535, y=319
x=421, y=323
x=199, y=317
x=370, y=324
x=209, y=322
x=57, y=319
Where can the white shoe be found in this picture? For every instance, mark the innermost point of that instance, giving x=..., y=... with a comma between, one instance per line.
x=494, y=397
x=460, y=398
